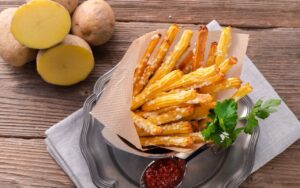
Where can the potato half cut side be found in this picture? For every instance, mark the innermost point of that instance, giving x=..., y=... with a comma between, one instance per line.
x=67, y=63
x=41, y=24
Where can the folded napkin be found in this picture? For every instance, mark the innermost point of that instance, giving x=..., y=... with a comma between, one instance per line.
x=276, y=133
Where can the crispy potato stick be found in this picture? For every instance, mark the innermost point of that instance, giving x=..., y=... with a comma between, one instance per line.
x=227, y=64
x=212, y=54
x=178, y=141
x=228, y=83
x=171, y=61
x=174, y=115
x=223, y=45
x=200, y=48
x=210, y=80
x=158, y=58
x=146, y=125
x=187, y=59
x=170, y=92
x=170, y=129
x=187, y=69
x=159, y=86
x=195, y=77
x=170, y=100
x=170, y=108
x=242, y=91
x=195, y=126
x=201, y=111
x=197, y=137
x=146, y=114
x=200, y=98
x=143, y=63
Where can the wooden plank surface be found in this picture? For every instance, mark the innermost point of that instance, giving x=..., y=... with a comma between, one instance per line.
x=26, y=163
x=246, y=13
x=28, y=106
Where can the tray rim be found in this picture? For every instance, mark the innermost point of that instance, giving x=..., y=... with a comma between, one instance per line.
x=103, y=182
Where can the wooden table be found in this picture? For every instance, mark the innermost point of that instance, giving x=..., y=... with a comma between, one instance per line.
x=29, y=106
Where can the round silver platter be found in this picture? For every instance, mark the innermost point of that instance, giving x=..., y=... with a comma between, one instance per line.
x=111, y=167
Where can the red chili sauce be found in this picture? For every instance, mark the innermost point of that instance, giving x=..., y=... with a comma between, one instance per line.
x=165, y=173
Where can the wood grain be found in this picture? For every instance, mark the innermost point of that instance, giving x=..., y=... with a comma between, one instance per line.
x=26, y=163
x=246, y=13
x=29, y=105
x=282, y=171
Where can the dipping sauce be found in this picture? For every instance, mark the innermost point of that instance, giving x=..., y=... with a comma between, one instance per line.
x=164, y=173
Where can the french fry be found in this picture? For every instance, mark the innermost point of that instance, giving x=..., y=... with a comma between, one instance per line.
x=188, y=68
x=146, y=125
x=143, y=63
x=223, y=45
x=187, y=59
x=173, y=115
x=180, y=127
x=168, y=65
x=195, y=77
x=212, y=54
x=210, y=80
x=200, y=48
x=228, y=83
x=196, y=137
x=227, y=64
x=201, y=111
x=146, y=114
x=178, y=141
x=195, y=126
x=170, y=92
x=200, y=98
x=158, y=58
x=170, y=108
x=242, y=92
x=159, y=86
x=169, y=100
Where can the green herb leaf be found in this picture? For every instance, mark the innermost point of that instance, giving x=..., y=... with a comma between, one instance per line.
x=261, y=110
x=222, y=127
x=224, y=119
x=252, y=122
x=226, y=113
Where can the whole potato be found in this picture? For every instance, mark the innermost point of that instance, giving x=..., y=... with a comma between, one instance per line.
x=93, y=21
x=11, y=50
x=70, y=5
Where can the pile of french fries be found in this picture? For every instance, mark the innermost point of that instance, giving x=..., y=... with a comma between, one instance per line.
x=172, y=97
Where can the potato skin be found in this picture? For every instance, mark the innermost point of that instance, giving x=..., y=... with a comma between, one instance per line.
x=11, y=50
x=93, y=21
x=70, y=5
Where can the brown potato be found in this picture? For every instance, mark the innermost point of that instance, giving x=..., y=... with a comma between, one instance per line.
x=11, y=50
x=93, y=21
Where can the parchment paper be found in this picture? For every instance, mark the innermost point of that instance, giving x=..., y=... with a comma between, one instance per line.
x=113, y=108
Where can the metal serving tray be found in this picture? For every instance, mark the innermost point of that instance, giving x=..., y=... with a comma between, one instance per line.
x=111, y=167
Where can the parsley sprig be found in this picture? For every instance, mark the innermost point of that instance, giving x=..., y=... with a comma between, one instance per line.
x=222, y=128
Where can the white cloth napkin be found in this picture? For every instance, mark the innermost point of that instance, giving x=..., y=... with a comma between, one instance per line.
x=276, y=133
